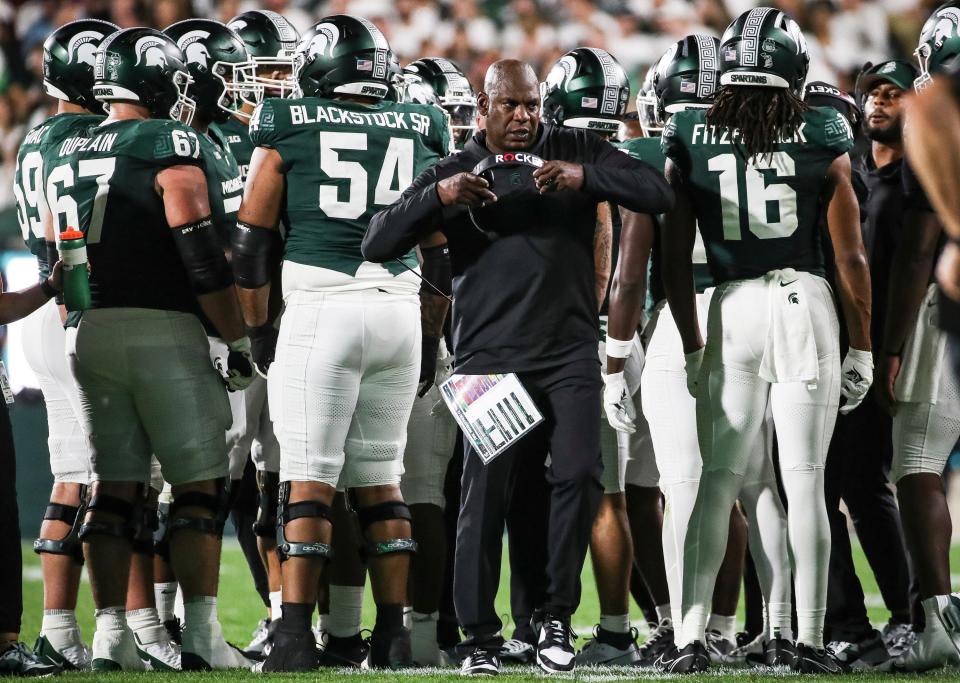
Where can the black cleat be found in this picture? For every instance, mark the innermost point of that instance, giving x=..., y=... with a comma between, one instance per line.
x=17, y=660
x=174, y=628
x=293, y=652
x=693, y=658
x=659, y=641
x=345, y=652
x=812, y=660
x=390, y=649
x=778, y=652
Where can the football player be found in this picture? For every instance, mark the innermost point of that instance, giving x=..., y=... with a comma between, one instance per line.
x=587, y=88
x=913, y=385
x=685, y=78
x=453, y=91
x=68, y=77
x=270, y=40
x=751, y=171
x=347, y=363
x=135, y=187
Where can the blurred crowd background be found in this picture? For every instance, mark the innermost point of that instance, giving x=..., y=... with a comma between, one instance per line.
x=842, y=35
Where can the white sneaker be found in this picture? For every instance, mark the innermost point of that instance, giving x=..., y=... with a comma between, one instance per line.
x=423, y=642
x=155, y=648
x=480, y=662
x=204, y=648
x=600, y=652
x=933, y=649
x=259, y=640
x=65, y=648
x=115, y=650
x=555, y=653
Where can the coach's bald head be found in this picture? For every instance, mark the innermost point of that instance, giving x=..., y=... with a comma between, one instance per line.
x=510, y=101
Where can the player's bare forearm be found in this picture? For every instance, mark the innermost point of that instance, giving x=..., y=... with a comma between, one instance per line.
x=629, y=287
x=255, y=305
x=223, y=310
x=17, y=305
x=679, y=234
x=602, y=251
x=933, y=146
x=433, y=312
x=853, y=270
x=909, y=276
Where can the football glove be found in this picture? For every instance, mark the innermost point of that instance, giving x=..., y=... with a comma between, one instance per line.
x=263, y=347
x=691, y=363
x=856, y=376
x=237, y=368
x=618, y=404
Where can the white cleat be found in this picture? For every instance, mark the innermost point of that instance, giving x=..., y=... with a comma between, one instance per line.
x=115, y=650
x=156, y=649
x=204, y=648
x=933, y=649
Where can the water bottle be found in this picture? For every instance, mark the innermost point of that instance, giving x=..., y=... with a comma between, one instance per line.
x=76, y=279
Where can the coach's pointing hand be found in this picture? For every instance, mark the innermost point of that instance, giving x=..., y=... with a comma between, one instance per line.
x=465, y=188
x=558, y=175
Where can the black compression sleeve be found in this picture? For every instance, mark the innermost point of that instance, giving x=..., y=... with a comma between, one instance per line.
x=255, y=251
x=436, y=270
x=202, y=255
x=48, y=260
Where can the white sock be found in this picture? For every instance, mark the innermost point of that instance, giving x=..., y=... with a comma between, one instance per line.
x=199, y=611
x=276, y=600
x=166, y=598
x=408, y=617
x=664, y=612
x=615, y=623
x=58, y=620
x=139, y=619
x=810, y=626
x=725, y=626
x=346, y=608
x=111, y=618
x=778, y=621
x=693, y=627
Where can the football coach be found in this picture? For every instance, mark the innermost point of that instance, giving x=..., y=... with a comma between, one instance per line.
x=518, y=207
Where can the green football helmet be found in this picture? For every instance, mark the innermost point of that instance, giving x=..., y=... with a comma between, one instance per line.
x=586, y=88
x=647, y=106
x=68, y=60
x=687, y=75
x=939, y=43
x=765, y=48
x=453, y=90
x=219, y=65
x=145, y=67
x=347, y=55
x=271, y=41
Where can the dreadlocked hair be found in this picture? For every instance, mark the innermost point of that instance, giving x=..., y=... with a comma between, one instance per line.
x=762, y=116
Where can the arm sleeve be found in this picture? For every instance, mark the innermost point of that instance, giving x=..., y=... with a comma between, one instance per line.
x=395, y=230
x=611, y=175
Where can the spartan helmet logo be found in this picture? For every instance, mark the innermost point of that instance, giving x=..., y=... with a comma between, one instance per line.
x=193, y=47
x=794, y=31
x=150, y=52
x=560, y=72
x=946, y=25
x=82, y=47
x=328, y=35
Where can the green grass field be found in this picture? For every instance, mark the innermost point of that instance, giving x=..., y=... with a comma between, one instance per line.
x=240, y=609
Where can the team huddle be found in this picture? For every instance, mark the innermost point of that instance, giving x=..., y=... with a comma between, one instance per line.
x=268, y=227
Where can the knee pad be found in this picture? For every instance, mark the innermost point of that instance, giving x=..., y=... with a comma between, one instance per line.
x=287, y=512
x=161, y=535
x=72, y=515
x=266, y=524
x=129, y=511
x=216, y=504
x=384, y=512
x=143, y=543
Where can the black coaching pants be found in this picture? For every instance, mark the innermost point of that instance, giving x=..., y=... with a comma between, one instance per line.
x=569, y=398
x=11, y=570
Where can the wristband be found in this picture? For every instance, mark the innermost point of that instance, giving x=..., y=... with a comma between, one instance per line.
x=619, y=348
x=48, y=290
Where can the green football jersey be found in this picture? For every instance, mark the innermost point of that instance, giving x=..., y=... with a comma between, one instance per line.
x=343, y=162
x=102, y=180
x=760, y=215
x=224, y=185
x=237, y=137
x=28, y=181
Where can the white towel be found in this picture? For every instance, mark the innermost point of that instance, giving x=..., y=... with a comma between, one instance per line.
x=790, y=350
x=922, y=360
